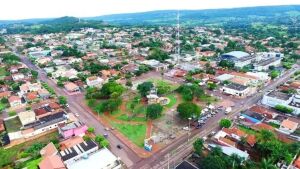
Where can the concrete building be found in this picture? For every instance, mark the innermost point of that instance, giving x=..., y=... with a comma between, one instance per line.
x=236, y=90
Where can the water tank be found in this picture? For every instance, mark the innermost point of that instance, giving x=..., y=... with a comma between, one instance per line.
x=297, y=98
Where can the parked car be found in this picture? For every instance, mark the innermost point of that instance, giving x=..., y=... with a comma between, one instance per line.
x=119, y=146
x=76, y=114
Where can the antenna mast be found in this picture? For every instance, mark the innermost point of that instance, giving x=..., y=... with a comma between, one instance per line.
x=178, y=37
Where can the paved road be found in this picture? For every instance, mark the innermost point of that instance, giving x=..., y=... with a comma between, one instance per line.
x=75, y=104
x=176, y=151
x=180, y=148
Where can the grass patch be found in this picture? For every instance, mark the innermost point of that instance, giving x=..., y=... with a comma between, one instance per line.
x=124, y=117
x=274, y=125
x=138, y=109
x=2, y=106
x=157, y=81
x=135, y=133
x=173, y=100
x=208, y=99
x=8, y=156
x=2, y=71
x=33, y=164
x=13, y=125
x=247, y=130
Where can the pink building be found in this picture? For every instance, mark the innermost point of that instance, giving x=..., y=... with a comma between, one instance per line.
x=72, y=129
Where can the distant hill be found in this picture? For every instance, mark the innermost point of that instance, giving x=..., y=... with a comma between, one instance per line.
x=267, y=14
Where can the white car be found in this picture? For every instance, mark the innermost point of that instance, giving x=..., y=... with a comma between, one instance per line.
x=186, y=128
x=76, y=114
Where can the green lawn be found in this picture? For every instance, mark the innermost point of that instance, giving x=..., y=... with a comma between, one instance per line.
x=33, y=164
x=135, y=133
x=2, y=106
x=9, y=155
x=2, y=71
x=124, y=117
x=173, y=100
x=247, y=130
x=13, y=125
x=160, y=81
x=208, y=99
x=138, y=109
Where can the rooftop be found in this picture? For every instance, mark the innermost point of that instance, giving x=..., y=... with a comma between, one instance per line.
x=236, y=86
x=100, y=159
x=77, y=149
x=279, y=95
x=237, y=54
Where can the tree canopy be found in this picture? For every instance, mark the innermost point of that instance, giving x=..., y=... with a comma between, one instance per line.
x=154, y=111
x=225, y=123
x=188, y=110
x=144, y=88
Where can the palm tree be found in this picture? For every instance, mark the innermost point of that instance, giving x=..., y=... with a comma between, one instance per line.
x=267, y=164
x=266, y=135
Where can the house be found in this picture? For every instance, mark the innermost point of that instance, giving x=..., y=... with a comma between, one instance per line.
x=71, y=87
x=29, y=87
x=94, y=81
x=5, y=94
x=252, y=117
x=18, y=76
x=231, y=150
x=264, y=111
x=78, y=151
x=72, y=129
x=14, y=101
x=155, y=64
x=288, y=126
x=51, y=162
x=102, y=158
x=50, y=158
x=31, y=96
x=70, y=142
x=27, y=117
x=236, y=90
x=43, y=93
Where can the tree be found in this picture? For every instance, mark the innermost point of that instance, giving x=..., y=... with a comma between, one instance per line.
x=91, y=129
x=154, y=111
x=144, y=88
x=158, y=54
x=225, y=123
x=189, y=91
x=267, y=164
x=226, y=64
x=283, y=109
x=108, y=105
x=215, y=160
x=111, y=90
x=188, y=110
x=101, y=141
x=198, y=146
x=62, y=100
x=163, y=87
x=265, y=136
x=212, y=86
x=274, y=74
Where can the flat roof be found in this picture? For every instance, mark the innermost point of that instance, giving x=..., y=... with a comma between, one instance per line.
x=279, y=95
x=100, y=159
x=77, y=149
x=267, y=62
x=186, y=165
x=13, y=124
x=236, y=86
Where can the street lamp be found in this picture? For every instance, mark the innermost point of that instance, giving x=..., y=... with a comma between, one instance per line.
x=189, y=128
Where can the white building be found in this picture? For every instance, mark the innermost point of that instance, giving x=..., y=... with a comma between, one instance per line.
x=102, y=159
x=278, y=98
x=236, y=90
x=94, y=81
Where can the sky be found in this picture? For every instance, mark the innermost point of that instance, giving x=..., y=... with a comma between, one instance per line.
x=25, y=9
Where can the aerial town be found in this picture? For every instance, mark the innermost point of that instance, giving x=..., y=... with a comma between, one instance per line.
x=149, y=97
